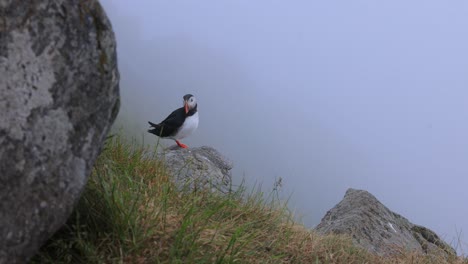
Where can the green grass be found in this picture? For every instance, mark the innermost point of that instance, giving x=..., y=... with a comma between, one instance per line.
x=132, y=212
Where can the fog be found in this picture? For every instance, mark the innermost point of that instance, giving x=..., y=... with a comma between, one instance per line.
x=326, y=95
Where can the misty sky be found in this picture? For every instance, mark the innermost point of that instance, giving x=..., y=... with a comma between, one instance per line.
x=325, y=94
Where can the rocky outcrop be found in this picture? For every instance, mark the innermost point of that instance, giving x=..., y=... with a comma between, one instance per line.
x=58, y=98
x=374, y=227
x=199, y=168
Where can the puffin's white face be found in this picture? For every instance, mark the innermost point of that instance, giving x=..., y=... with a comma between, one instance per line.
x=190, y=103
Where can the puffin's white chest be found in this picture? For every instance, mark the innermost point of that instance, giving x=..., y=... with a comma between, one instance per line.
x=189, y=126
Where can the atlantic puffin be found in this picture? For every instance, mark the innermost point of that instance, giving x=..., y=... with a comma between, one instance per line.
x=180, y=123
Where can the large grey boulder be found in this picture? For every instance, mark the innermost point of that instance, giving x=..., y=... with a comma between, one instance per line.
x=199, y=168
x=58, y=98
x=374, y=227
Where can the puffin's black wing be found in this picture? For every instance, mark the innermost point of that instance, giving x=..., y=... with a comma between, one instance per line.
x=169, y=126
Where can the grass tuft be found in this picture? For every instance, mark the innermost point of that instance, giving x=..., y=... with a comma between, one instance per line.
x=132, y=212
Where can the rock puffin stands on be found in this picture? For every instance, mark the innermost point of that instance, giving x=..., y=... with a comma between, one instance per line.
x=375, y=228
x=198, y=168
x=59, y=95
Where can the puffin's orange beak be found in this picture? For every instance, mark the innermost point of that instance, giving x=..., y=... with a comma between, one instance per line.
x=186, y=107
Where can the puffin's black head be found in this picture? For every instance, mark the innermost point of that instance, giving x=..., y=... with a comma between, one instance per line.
x=190, y=102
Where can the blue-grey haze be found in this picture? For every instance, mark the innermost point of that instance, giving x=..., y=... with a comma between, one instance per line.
x=325, y=94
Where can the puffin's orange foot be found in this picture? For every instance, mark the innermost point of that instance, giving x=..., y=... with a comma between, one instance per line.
x=181, y=144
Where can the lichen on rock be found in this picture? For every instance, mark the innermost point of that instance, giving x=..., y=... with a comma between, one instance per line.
x=58, y=99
